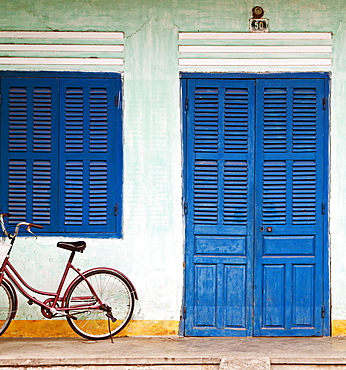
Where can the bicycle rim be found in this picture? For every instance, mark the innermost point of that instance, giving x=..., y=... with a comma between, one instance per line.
x=114, y=291
x=7, y=306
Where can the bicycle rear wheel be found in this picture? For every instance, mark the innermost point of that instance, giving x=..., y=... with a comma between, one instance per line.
x=8, y=306
x=114, y=291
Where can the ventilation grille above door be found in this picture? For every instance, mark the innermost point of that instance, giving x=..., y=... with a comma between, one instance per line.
x=254, y=52
x=68, y=51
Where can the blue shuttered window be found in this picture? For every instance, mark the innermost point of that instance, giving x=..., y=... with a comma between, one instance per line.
x=61, y=163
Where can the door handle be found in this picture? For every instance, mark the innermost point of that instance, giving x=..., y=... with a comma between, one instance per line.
x=269, y=229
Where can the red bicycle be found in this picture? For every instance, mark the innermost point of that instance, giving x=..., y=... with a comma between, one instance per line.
x=97, y=304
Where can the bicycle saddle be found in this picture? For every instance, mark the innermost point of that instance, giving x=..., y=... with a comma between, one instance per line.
x=73, y=246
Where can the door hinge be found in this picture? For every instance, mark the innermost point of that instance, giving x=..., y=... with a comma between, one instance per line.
x=186, y=104
x=323, y=312
x=0, y=99
x=184, y=312
x=185, y=207
x=324, y=103
x=117, y=100
x=323, y=208
x=116, y=210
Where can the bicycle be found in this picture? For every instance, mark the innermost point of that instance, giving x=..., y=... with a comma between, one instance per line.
x=98, y=303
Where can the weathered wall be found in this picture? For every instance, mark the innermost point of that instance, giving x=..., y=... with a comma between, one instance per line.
x=151, y=251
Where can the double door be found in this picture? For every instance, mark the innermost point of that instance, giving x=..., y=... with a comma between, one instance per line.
x=255, y=182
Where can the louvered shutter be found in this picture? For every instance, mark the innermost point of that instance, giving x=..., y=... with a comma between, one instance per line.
x=89, y=152
x=29, y=135
x=220, y=124
x=61, y=147
x=290, y=191
x=221, y=139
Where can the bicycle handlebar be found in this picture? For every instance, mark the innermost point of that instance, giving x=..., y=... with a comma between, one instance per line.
x=35, y=225
x=28, y=224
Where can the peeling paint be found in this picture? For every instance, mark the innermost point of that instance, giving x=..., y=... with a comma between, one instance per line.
x=60, y=328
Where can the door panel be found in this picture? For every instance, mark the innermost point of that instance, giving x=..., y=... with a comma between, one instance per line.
x=254, y=194
x=290, y=194
x=219, y=131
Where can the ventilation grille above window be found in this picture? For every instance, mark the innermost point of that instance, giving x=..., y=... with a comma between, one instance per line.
x=82, y=51
x=254, y=52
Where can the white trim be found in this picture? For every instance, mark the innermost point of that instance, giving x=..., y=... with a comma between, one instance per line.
x=62, y=61
x=226, y=51
x=62, y=35
x=254, y=36
x=19, y=52
x=254, y=49
x=57, y=48
x=255, y=62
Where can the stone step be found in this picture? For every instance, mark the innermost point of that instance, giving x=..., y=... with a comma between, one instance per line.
x=166, y=363
x=308, y=363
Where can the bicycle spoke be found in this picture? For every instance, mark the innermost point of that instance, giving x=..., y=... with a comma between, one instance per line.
x=114, y=292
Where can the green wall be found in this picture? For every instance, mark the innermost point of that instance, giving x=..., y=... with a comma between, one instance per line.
x=152, y=248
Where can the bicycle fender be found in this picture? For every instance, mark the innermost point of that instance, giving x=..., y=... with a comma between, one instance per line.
x=133, y=289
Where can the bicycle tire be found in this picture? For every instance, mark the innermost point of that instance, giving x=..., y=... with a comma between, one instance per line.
x=8, y=305
x=114, y=290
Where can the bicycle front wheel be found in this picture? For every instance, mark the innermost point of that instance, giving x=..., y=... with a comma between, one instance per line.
x=114, y=291
x=8, y=306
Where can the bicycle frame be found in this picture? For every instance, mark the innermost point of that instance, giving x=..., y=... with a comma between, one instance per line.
x=16, y=279
x=97, y=303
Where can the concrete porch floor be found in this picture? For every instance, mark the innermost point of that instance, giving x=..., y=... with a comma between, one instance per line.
x=174, y=353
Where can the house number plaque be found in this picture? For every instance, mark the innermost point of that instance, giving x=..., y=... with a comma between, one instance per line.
x=259, y=25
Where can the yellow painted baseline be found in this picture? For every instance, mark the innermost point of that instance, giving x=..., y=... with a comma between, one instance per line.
x=60, y=328
x=338, y=328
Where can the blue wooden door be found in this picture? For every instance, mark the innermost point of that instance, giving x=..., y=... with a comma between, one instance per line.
x=254, y=204
x=290, y=207
x=219, y=195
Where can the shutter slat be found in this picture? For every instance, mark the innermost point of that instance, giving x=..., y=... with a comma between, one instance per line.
x=205, y=192
x=274, y=192
x=304, y=120
x=304, y=192
x=73, y=196
x=18, y=101
x=74, y=120
x=236, y=120
x=235, y=192
x=274, y=120
x=206, y=109
x=42, y=176
x=98, y=193
x=17, y=191
x=98, y=120
x=42, y=119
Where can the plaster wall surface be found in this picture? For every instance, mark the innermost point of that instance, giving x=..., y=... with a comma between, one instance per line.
x=151, y=251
